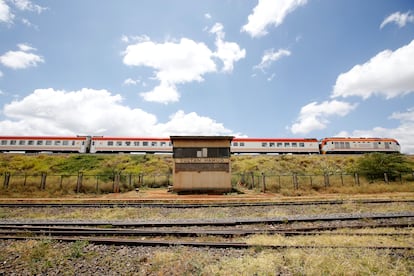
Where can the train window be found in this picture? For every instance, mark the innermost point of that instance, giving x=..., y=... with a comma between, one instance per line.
x=235, y=144
x=294, y=145
x=136, y=143
x=110, y=143
x=65, y=143
x=287, y=145
x=57, y=143
x=272, y=145
x=153, y=144
x=301, y=145
x=39, y=143
x=127, y=143
x=264, y=144
x=241, y=144
x=118, y=143
x=145, y=144
x=22, y=142
x=30, y=142
x=3, y=142
x=163, y=144
x=48, y=143
x=279, y=145
x=13, y=142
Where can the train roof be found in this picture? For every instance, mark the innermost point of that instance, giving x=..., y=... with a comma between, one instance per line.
x=275, y=140
x=42, y=137
x=113, y=138
x=359, y=139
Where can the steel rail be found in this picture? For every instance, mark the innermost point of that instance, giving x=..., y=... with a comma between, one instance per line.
x=218, y=222
x=228, y=230
x=166, y=243
x=182, y=233
x=134, y=204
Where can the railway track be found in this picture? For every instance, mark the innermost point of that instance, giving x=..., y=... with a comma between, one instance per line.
x=227, y=245
x=134, y=204
x=218, y=222
x=174, y=233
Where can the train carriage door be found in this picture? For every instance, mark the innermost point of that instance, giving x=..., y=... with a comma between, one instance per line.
x=387, y=145
x=375, y=145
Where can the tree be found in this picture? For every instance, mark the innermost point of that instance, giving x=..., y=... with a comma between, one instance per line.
x=374, y=165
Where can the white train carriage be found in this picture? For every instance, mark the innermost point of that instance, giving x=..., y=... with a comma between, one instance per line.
x=359, y=145
x=130, y=145
x=25, y=144
x=275, y=145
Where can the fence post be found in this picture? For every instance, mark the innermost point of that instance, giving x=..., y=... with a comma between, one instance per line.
x=116, y=183
x=295, y=181
x=280, y=184
x=342, y=179
x=385, y=178
x=25, y=178
x=264, y=182
x=6, y=180
x=43, y=181
x=129, y=180
x=97, y=184
x=326, y=179
x=356, y=177
x=311, y=181
x=168, y=179
x=61, y=182
x=142, y=180
x=79, y=182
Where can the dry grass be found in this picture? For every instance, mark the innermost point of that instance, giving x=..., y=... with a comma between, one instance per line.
x=197, y=213
x=334, y=240
x=41, y=257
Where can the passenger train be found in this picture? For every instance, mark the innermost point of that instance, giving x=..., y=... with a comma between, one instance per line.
x=93, y=144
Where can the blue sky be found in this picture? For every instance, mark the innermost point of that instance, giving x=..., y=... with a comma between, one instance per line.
x=281, y=68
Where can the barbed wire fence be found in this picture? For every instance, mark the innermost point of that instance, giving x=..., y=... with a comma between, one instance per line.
x=254, y=180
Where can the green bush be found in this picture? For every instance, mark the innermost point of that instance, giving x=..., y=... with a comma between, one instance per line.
x=374, y=165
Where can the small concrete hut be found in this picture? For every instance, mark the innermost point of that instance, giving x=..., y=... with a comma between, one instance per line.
x=201, y=164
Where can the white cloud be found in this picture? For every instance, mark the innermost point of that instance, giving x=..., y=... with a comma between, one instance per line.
x=1, y=74
x=401, y=19
x=27, y=5
x=269, y=12
x=175, y=62
x=25, y=47
x=164, y=93
x=21, y=59
x=404, y=133
x=180, y=62
x=227, y=52
x=388, y=73
x=6, y=16
x=207, y=16
x=130, y=81
x=271, y=56
x=314, y=116
x=95, y=112
x=191, y=124
x=271, y=77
